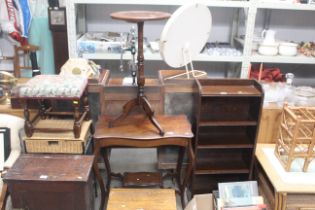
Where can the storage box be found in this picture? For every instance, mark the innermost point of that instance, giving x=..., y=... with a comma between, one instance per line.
x=51, y=182
x=106, y=42
x=179, y=91
x=201, y=202
x=61, y=142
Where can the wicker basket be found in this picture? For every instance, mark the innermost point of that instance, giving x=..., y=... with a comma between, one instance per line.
x=61, y=142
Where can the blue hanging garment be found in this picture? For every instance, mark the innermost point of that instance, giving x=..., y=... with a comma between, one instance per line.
x=26, y=17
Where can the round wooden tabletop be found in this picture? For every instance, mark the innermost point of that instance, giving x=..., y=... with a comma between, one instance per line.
x=140, y=16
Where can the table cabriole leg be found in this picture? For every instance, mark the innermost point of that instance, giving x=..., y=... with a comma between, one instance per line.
x=98, y=175
x=187, y=177
x=104, y=152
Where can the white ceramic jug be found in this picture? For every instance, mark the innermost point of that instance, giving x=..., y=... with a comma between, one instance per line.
x=269, y=36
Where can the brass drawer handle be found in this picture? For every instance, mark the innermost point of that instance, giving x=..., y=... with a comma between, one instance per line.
x=53, y=142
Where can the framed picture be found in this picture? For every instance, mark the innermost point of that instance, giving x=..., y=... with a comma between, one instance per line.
x=57, y=18
x=5, y=146
x=238, y=193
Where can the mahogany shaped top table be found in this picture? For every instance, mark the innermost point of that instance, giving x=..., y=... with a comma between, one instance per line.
x=138, y=132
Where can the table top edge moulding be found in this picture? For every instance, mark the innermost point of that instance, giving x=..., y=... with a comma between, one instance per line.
x=139, y=16
x=103, y=131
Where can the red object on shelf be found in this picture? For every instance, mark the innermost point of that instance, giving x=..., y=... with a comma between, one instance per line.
x=267, y=74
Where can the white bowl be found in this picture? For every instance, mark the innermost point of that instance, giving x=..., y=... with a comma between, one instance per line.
x=288, y=48
x=268, y=49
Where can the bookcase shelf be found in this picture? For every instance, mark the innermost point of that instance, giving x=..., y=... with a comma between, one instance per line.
x=223, y=161
x=226, y=137
x=204, y=182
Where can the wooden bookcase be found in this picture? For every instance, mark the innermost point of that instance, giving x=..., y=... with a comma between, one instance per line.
x=227, y=121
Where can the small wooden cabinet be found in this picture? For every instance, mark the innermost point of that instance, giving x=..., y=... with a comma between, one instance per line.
x=227, y=120
x=51, y=182
x=282, y=190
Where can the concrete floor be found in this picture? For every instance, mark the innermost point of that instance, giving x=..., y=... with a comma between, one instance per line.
x=134, y=160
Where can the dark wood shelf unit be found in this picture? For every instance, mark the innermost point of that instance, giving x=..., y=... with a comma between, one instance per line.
x=227, y=120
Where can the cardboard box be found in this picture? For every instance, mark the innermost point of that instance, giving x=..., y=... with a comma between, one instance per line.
x=201, y=202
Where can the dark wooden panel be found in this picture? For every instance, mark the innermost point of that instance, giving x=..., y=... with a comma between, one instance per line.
x=61, y=54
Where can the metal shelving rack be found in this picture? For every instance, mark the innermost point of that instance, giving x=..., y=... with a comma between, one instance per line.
x=246, y=59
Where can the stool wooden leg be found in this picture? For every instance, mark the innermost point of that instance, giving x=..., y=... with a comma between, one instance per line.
x=42, y=109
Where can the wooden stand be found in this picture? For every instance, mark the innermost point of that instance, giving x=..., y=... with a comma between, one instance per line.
x=139, y=17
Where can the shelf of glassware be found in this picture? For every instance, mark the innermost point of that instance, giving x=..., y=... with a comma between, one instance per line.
x=214, y=3
x=157, y=57
x=299, y=59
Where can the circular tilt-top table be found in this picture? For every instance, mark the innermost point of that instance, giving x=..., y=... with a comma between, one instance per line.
x=139, y=17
